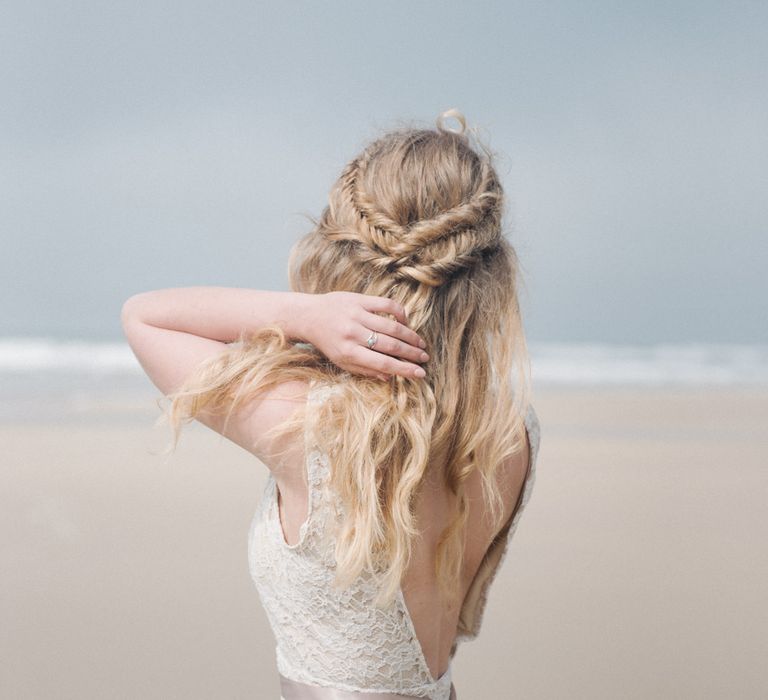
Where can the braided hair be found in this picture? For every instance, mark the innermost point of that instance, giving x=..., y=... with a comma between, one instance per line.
x=401, y=245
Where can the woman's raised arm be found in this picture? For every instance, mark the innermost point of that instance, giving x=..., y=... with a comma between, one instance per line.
x=172, y=330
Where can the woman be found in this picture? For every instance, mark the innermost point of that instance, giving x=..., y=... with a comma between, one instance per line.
x=388, y=395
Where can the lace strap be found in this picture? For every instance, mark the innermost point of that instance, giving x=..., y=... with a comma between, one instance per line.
x=316, y=394
x=316, y=473
x=533, y=426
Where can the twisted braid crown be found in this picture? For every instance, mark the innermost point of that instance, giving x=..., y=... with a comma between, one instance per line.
x=430, y=250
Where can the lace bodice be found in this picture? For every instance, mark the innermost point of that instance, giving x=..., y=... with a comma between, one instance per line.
x=339, y=638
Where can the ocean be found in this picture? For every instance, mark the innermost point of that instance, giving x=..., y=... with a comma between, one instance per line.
x=47, y=375
x=551, y=363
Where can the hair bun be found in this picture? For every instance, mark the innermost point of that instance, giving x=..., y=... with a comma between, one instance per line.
x=455, y=114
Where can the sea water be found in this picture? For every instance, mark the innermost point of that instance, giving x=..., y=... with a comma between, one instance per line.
x=47, y=377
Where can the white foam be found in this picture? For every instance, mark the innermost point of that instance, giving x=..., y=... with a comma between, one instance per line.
x=692, y=364
x=551, y=363
x=22, y=355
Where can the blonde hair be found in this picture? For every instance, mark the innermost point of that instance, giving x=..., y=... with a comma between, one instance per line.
x=415, y=217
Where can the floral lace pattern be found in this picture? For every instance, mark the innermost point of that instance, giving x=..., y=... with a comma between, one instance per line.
x=330, y=637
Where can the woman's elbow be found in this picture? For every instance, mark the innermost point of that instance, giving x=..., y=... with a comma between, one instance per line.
x=130, y=314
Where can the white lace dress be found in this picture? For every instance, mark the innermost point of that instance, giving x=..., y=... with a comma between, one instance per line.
x=338, y=638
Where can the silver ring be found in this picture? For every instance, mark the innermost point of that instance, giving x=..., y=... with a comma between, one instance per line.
x=372, y=338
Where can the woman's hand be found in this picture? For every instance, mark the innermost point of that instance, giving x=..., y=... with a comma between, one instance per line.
x=171, y=331
x=339, y=325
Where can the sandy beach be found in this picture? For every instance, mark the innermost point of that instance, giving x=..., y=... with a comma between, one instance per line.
x=639, y=569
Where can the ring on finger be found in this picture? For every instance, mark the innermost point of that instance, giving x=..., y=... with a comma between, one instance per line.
x=372, y=338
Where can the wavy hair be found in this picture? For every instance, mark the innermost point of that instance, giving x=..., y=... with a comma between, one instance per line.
x=417, y=217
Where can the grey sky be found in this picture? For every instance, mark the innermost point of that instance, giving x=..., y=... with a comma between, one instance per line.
x=177, y=143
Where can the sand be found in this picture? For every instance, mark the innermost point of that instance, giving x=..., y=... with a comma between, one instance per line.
x=639, y=569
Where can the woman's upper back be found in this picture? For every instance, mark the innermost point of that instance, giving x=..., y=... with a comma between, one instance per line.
x=336, y=637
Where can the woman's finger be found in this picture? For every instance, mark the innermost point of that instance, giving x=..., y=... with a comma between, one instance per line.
x=396, y=330
x=384, y=305
x=385, y=364
x=398, y=348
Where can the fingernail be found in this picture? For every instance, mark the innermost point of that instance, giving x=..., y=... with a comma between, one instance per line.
x=420, y=372
x=422, y=344
x=424, y=357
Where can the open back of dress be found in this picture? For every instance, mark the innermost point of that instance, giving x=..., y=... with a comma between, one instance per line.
x=338, y=638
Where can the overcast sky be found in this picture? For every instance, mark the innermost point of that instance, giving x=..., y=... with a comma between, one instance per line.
x=147, y=145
